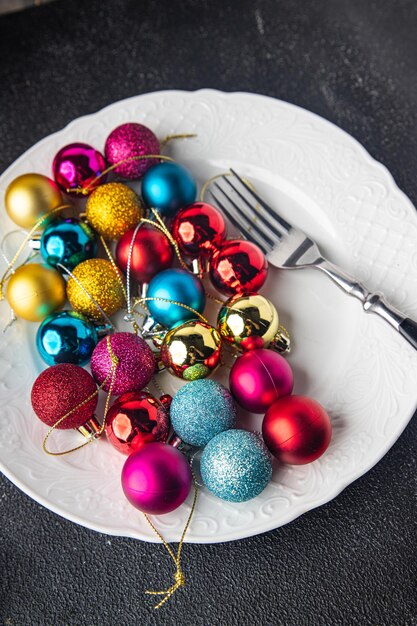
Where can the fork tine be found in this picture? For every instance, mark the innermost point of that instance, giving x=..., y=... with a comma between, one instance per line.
x=250, y=236
x=273, y=214
x=250, y=223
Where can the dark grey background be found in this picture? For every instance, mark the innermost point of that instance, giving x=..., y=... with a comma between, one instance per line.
x=353, y=561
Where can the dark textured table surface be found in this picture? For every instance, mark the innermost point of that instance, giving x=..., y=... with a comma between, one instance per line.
x=351, y=562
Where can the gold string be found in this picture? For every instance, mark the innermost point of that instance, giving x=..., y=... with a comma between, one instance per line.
x=179, y=578
x=143, y=299
x=112, y=374
x=162, y=227
x=84, y=191
x=115, y=268
x=180, y=136
x=29, y=235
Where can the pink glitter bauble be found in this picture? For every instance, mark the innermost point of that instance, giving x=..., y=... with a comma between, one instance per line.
x=156, y=479
x=61, y=388
x=136, y=363
x=78, y=165
x=130, y=140
x=258, y=378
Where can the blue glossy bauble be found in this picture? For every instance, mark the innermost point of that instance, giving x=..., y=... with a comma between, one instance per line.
x=179, y=286
x=168, y=187
x=236, y=465
x=66, y=337
x=69, y=242
x=201, y=410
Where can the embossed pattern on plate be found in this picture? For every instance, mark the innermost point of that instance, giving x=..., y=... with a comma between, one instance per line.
x=357, y=367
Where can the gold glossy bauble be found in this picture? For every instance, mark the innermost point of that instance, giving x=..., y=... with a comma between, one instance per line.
x=192, y=350
x=112, y=209
x=248, y=321
x=29, y=197
x=34, y=291
x=100, y=280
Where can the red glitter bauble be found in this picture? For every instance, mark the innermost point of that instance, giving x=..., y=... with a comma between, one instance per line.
x=151, y=253
x=198, y=229
x=296, y=429
x=238, y=266
x=59, y=389
x=135, y=419
x=127, y=141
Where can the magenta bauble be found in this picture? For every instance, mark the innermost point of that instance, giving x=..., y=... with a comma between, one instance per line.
x=136, y=363
x=127, y=141
x=258, y=378
x=77, y=165
x=156, y=479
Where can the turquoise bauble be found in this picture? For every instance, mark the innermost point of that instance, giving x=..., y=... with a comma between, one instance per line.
x=69, y=242
x=66, y=337
x=201, y=410
x=168, y=187
x=236, y=465
x=176, y=286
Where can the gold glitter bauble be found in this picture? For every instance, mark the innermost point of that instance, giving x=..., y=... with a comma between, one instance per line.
x=192, y=350
x=30, y=196
x=100, y=280
x=112, y=209
x=34, y=291
x=248, y=321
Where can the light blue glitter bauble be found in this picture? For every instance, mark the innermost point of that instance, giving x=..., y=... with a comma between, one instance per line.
x=201, y=410
x=176, y=285
x=236, y=465
x=168, y=187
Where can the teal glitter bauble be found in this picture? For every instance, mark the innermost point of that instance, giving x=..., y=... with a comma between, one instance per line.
x=201, y=410
x=236, y=465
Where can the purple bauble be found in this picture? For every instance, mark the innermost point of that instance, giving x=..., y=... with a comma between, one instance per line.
x=130, y=140
x=156, y=479
x=136, y=363
x=258, y=378
x=77, y=165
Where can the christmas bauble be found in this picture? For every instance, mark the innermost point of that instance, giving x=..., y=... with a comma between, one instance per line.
x=136, y=419
x=136, y=363
x=68, y=242
x=192, y=350
x=34, y=291
x=98, y=277
x=127, y=141
x=258, y=378
x=61, y=388
x=176, y=286
x=200, y=410
x=77, y=165
x=248, y=322
x=151, y=253
x=156, y=479
x=296, y=429
x=112, y=209
x=238, y=266
x=66, y=337
x=29, y=197
x=168, y=187
x=198, y=229
x=236, y=466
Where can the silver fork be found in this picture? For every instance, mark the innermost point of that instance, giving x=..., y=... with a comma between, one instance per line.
x=288, y=247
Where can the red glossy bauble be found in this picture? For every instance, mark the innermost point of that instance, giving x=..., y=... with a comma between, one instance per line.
x=135, y=419
x=59, y=389
x=151, y=253
x=296, y=429
x=198, y=229
x=238, y=266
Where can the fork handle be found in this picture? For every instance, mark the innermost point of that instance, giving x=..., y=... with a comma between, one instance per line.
x=372, y=302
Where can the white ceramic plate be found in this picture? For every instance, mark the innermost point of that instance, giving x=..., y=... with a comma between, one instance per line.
x=355, y=365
